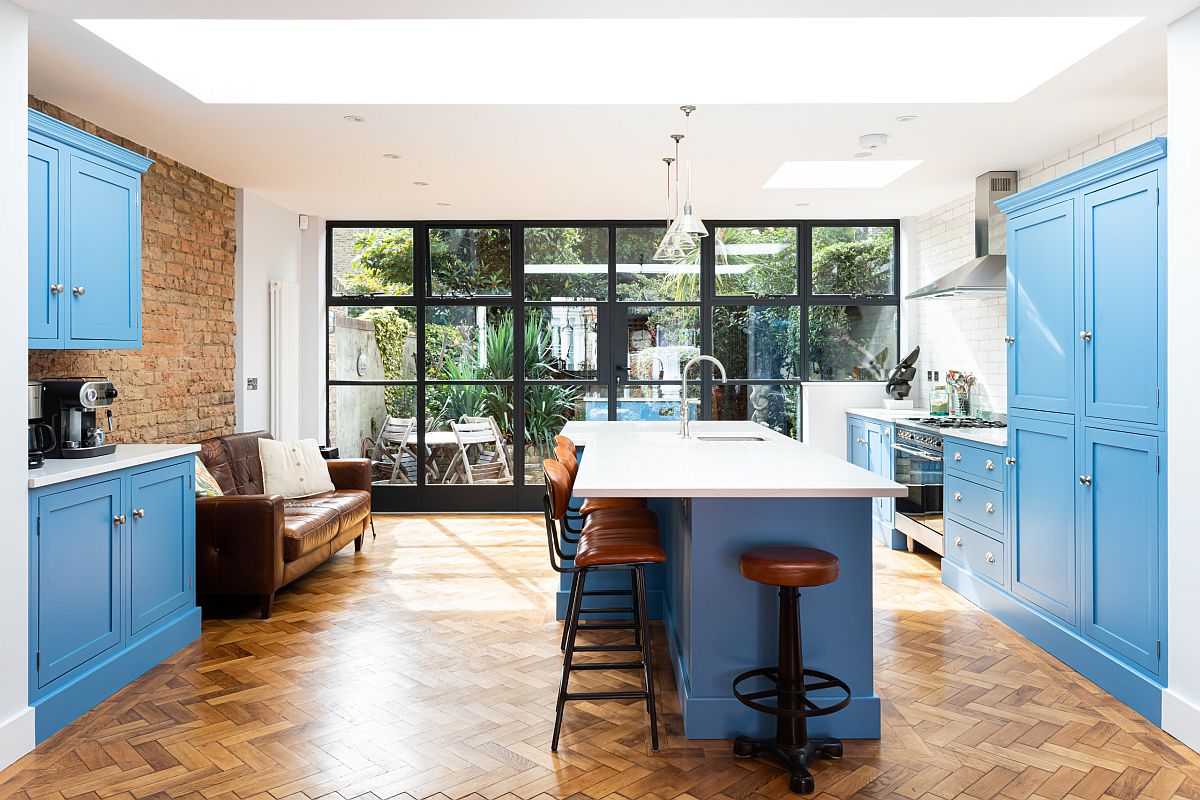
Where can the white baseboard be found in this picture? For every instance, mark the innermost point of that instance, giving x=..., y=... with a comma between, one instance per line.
x=16, y=736
x=1181, y=718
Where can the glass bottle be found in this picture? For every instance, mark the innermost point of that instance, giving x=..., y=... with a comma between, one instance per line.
x=939, y=401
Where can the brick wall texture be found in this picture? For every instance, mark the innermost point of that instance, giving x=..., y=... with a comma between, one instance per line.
x=966, y=334
x=179, y=386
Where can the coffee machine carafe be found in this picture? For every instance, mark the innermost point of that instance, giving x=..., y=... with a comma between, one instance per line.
x=76, y=409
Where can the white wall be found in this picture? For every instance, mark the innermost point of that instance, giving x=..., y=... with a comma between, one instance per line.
x=16, y=718
x=968, y=334
x=268, y=249
x=1181, y=702
x=313, y=331
x=825, y=404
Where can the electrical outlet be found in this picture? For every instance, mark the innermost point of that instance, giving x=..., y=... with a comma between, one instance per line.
x=252, y=384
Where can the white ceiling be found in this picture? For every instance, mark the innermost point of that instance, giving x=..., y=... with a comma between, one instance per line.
x=583, y=161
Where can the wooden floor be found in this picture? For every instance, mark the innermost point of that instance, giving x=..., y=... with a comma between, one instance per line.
x=426, y=667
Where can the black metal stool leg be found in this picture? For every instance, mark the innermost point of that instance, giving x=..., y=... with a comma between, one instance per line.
x=637, y=606
x=570, y=604
x=572, y=631
x=647, y=662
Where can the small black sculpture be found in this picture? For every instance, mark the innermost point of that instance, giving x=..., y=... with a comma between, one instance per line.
x=898, y=385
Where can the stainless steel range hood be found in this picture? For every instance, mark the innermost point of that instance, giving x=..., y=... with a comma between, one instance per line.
x=984, y=274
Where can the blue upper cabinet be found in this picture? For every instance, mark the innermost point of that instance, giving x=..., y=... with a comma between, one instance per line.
x=1122, y=319
x=85, y=226
x=1041, y=308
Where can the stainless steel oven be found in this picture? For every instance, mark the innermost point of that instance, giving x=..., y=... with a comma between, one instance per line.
x=918, y=460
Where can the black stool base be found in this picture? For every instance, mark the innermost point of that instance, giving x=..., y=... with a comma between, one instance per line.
x=793, y=758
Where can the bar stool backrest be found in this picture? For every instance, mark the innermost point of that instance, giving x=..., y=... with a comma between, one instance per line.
x=564, y=451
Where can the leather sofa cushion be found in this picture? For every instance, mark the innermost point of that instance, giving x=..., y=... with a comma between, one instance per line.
x=309, y=522
x=233, y=461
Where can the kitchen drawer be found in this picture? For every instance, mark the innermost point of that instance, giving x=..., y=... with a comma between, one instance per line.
x=976, y=463
x=978, y=504
x=976, y=551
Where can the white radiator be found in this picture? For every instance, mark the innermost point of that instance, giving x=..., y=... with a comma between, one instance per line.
x=285, y=360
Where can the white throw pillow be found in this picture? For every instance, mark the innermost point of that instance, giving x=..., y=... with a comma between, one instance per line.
x=293, y=469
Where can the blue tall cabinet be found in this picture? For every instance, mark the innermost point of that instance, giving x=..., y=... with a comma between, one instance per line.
x=85, y=239
x=1086, y=457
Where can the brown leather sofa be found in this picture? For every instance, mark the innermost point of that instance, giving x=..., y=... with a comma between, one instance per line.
x=248, y=542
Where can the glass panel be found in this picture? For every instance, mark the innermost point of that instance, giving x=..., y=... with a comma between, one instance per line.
x=372, y=261
x=547, y=410
x=357, y=417
x=772, y=406
x=853, y=260
x=372, y=343
x=566, y=263
x=852, y=343
x=640, y=277
x=659, y=403
x=660, y=340
x=485, y=461
x=468, y=343
x=758, y=341
x=757, y=260
x=561, y=342
x=465, y=262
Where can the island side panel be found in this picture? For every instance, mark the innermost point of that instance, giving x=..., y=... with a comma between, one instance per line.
x=720, y=624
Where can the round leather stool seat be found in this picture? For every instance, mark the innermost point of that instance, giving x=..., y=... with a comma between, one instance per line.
x=789, y=566
x=616, y=546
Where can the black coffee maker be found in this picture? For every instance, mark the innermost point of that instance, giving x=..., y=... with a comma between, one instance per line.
x=75, y=409
x=41, y=435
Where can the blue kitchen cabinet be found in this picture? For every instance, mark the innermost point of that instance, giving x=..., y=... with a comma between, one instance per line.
x=869, y=445
x=1123, y=551
x=77, y=571
x=1041, y=308
x=856, y=443
x=85, y=227
x=1121, y=333
x=1042, y=513
x=44, y=280
x=112, y=560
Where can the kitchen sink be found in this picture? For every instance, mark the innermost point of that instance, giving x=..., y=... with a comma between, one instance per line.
x=747, y=438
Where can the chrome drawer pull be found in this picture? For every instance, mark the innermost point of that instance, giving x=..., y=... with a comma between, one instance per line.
x=957, y=456
x=958, y=541
x=958, y=496
x=989, y=508
x=991, y=559
x=989, y=465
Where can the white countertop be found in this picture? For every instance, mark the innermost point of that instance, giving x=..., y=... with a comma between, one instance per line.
x=61, y=470
x=648, y=459
x=996, y=437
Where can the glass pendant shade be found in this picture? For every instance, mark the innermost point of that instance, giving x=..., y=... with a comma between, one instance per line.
x=689, y=223
x=675, y=244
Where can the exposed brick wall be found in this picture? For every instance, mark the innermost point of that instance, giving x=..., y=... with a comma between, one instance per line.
x=968, y=334
x=179, y=386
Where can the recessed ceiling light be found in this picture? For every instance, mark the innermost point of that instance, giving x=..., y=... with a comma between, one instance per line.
x=355, y=61
x=837, y=174
x=443, y=204
x=420, y=183
x=392, y=155
x=803, y=205
x=863, y=154
x=354, y=118
x=906, y=118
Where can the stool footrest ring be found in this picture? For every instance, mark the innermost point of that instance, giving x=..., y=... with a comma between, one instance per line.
x=823, y=680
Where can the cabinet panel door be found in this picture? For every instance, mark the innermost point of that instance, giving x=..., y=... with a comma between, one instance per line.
x=879, y=453
x=1121, y=293
x=1042, y=514
x=1041, y=309
x=103, y=255
x=1120, y=523
x=43, y=242
x=162, y=514
x=856, y=444
x=78, y=576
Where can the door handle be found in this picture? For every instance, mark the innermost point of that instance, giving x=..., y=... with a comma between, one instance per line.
x=139, y=513
x=78, y=291
x=1010, y=339
x=1085, y=480
x=1012, y=462
x=1085, y=336
x=119, y=519
x=56, y=288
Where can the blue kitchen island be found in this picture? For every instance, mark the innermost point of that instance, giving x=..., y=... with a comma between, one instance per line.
x=730, y=487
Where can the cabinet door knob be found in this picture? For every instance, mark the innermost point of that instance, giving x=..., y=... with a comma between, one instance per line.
x=957, y=456
x=56, y=288
x=1010, y=339
x=958, y=496
x=78, y=291
x=989, y=465
x=991, y=559
x=1085, y=336
x=989, y=508
x=139, y=513
x=119, y=519
x=1012, y=462
x=1085, y=480
x=958, y=541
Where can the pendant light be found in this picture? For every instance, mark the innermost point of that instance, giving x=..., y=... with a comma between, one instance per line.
x=689, y=222
x=672, y=246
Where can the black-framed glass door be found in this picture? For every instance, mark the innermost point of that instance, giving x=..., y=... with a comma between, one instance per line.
x=528, y=325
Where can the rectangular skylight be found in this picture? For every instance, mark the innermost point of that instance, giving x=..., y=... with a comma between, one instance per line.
x=605, y=61
x=857, y=174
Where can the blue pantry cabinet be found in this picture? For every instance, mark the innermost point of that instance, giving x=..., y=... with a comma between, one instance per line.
x=869, y=445
x=111, y=590
x=1084, y=528
x=85, y=233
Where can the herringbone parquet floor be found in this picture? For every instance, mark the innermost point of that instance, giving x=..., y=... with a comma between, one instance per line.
x=426, y=667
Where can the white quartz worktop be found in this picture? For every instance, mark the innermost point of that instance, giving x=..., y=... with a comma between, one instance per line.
x=996, y=437
x=61, y=470
x=649, y=459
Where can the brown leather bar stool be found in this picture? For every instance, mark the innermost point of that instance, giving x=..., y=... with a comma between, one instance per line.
x=601, y=548
x=790, y=568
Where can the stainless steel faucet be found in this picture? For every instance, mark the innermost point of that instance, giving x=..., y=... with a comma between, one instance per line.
x=683, y=395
